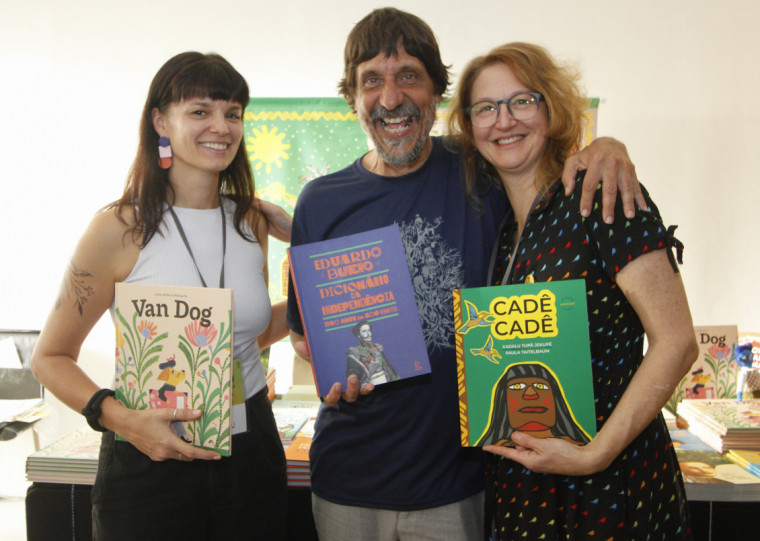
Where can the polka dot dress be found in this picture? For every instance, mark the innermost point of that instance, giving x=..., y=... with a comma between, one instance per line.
x=641, y=495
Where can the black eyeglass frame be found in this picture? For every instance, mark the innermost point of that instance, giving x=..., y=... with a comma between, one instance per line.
x=507, y=102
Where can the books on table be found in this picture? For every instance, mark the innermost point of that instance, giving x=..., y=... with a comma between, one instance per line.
x=73, y=459
x=358, y=308
x=709, y=475
x=174, y=350
x=289, y=423
x=715, y=374
x=297, y=459
x=748, y=381
x=297, y=455
x=526, y=345
x=749, y=460
x=724, y=424
x=297, y=441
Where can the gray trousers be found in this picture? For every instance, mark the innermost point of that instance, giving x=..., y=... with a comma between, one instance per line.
x=458, y=521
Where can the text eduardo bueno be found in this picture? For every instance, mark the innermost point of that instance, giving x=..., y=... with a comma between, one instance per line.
x=362, y=291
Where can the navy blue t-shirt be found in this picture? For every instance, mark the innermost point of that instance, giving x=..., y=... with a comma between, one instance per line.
x=399, y=447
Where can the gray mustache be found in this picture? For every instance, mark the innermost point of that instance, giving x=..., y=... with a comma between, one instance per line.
x=405, y=109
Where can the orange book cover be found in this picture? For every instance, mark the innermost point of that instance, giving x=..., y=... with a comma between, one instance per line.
x=298, y=450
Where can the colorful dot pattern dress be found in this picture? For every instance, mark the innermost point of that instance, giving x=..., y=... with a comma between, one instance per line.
x=641, y=495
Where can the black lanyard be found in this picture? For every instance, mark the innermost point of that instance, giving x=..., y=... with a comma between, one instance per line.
x=189, y=251
x=495, y=251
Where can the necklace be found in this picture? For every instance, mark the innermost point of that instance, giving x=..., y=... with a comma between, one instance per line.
x=190, y=251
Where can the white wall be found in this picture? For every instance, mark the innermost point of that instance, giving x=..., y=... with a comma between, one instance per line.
x=679, y=79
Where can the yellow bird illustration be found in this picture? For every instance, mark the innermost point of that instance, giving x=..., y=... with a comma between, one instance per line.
x=475, y=318
x=487, y=351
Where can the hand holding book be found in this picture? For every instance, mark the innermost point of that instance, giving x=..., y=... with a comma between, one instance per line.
x=553, y=455
x=150, y=431
x=353, y=391
x=359, y=313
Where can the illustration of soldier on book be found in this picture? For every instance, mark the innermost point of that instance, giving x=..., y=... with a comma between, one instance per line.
x=367, y=359
x=529, y=398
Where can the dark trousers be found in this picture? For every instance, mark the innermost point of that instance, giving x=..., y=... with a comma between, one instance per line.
x=243, y=496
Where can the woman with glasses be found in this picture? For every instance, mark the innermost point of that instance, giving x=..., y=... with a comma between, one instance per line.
x=517, y=116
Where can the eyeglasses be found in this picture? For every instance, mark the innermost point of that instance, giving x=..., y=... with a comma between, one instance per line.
x=522, y=106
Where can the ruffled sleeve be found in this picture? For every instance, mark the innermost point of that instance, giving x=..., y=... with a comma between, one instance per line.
x=617, y=244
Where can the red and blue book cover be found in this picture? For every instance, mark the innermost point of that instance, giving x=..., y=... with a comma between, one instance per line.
x=358, y=308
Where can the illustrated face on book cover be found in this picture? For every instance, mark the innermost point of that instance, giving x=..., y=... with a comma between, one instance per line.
x=531, y=404
x=365, y=333
x=528, y=399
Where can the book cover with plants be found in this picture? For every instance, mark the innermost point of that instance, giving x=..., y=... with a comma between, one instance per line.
x=715, y=373
x=174, y=350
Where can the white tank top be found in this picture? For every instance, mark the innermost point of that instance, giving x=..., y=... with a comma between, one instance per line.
x=165, y=260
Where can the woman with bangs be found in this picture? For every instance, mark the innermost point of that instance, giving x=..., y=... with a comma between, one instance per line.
x=188, y=216
x=516, y=117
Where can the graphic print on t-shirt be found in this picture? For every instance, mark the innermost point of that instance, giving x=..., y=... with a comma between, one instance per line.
x=436, y=270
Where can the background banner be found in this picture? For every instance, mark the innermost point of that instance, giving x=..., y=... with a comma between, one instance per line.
x=291, y=141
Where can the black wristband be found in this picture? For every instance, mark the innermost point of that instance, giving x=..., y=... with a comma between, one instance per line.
x=92, y=412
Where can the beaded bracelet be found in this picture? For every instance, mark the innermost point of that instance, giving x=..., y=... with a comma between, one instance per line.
x=92, y=411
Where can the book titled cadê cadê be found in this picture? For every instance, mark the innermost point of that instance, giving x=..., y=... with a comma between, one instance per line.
x=358, y=309
x=524, y=363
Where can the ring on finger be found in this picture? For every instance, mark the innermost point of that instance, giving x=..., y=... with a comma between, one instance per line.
x=175, y=417
x=180, y=457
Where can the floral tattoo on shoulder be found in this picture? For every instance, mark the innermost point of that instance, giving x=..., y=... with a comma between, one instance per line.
x=76, y=288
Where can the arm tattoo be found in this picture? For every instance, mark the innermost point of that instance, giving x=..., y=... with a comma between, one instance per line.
x=75, y=287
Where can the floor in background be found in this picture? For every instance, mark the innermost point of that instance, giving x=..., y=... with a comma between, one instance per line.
x=13, y=485
x=13, y=519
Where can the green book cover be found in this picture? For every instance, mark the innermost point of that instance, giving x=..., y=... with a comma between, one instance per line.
x=523, y=362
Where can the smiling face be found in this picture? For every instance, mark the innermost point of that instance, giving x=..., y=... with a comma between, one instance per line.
x=204, y=134
x=531, y=405
x=513, y=147
x=395, y=103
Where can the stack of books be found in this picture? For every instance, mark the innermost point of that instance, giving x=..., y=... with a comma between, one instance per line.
x=295, y=422
x=724, y=424
x=289, y=422
x=708, y=474
x=297, y=455
x=72, y=459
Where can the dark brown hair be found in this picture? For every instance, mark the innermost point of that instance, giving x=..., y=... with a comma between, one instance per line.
x=147, y=190
x=381, y=32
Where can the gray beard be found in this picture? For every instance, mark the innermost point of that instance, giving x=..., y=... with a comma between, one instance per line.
x=396, y=160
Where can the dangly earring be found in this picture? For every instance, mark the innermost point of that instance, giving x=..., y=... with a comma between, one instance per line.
x=164, y=153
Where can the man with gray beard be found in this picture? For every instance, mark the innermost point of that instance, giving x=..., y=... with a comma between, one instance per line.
x=386, y=463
